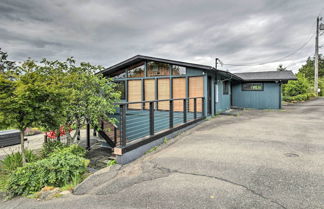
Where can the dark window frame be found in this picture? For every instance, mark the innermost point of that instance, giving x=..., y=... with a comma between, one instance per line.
x=252, y=83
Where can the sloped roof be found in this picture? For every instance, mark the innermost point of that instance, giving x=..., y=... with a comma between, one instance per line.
x=139, y=58
x=249, y=76
x=267, y=76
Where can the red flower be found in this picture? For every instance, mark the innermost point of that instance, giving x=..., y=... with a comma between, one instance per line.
x=52, y=134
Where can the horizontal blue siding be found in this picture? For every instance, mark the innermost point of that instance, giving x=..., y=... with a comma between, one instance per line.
x=267, y=99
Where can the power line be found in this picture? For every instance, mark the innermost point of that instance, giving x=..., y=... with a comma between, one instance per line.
x=276, y=60
x=280, y=59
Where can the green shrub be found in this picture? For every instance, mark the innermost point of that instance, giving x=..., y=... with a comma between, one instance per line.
x=3, y=180
x=50, y=146
x=111, y=163
x=297, y=87
x=74, y=149
x=14, y=160
x=321, y=86
x=299, y=98
x=59, y=169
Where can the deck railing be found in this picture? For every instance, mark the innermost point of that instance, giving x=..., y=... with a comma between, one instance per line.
x=144, y=121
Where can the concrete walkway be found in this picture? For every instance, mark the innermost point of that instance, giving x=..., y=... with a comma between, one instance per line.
x=259, y=159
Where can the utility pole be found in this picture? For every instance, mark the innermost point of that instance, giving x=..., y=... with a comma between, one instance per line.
x=216, y=61
x=316, y=57
x=319, y=27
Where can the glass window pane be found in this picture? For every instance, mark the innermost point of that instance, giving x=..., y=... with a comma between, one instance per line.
x=121, y=88
x=157, y=69
x=136, y=71
x=252, y=86
x=178, y=70
x=119, y=74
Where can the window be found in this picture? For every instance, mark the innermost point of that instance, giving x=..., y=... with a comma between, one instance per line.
x=252, y=87
x=119, y=74
x=225, y=87
x=121, y=88
x=178, y=70
x=136, y=71
x=157, y=69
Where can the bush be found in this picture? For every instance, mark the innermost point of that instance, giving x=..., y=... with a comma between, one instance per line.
x=321, y=86
x=299, y=98
x=74, y=149
x=59, y=169
x=14, y=160
x=297, y=87
x=50, y=146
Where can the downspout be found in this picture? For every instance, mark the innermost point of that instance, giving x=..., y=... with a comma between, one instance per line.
x=215, y=93
x=280, y=91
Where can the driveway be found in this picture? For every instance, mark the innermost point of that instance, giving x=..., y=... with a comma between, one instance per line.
x=259, y=159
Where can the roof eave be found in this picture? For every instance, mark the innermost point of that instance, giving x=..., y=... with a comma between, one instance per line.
x=137, y=58
x=260, y=80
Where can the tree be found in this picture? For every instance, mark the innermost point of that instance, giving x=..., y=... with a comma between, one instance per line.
x=281, y=68
x=308, y=68
x=90, y=97
x=5, y=64
x=55, y=94
x=26, y=99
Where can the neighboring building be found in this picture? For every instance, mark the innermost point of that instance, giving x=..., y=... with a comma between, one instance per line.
x=260, y=90
x=160, y=96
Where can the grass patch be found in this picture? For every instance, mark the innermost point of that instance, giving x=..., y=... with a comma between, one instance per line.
x=3, y=180
x=151, y=150
x=68, y=187
x=111, y=163
x=165, y=140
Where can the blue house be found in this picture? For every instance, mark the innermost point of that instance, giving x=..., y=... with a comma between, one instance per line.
x=160, y=96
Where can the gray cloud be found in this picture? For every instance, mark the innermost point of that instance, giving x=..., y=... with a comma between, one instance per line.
x=106, y=32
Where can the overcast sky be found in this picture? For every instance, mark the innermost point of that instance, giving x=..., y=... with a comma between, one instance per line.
x=108, y=31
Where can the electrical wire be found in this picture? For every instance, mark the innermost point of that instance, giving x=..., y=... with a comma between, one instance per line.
x=276, y=60
x=280, y=59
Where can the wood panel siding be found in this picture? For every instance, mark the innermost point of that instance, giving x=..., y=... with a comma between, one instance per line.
x=135, y=93
x=149, y=91
x=179, y=92
x=196, y=89
x=163, y=93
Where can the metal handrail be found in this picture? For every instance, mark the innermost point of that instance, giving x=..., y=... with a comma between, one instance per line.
x=159, y=100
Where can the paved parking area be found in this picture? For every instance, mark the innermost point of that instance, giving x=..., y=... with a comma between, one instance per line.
x=259, y=159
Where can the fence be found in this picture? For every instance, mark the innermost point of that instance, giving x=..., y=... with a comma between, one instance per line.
x=150, y=120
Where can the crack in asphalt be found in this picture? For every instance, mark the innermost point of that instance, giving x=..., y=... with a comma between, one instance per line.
x=224, y=180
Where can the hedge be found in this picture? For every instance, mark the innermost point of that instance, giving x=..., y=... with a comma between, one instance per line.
x=58, y=170
x=299, y=98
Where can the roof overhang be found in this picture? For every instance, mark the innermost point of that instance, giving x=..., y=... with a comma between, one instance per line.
x=138, y=58
x=267, y=76
x=229, y=75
